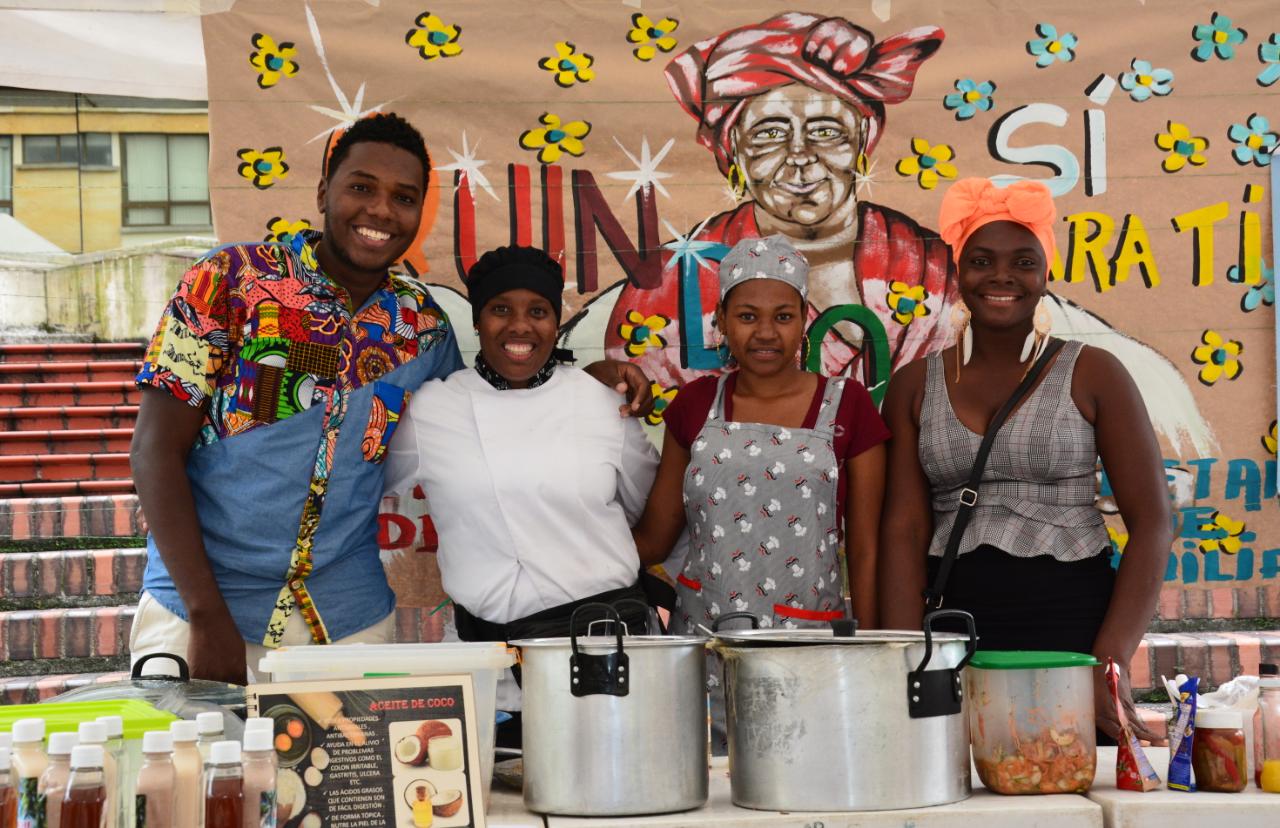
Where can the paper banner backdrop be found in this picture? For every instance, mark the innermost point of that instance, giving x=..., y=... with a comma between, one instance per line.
x=638, y=141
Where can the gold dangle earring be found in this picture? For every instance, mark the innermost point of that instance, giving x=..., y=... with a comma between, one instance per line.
x=737, y=181
x=964, y=334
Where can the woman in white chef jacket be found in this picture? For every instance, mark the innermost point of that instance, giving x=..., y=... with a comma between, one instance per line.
x=532, y=477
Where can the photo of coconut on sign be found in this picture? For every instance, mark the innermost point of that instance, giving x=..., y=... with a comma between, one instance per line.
x=429, y=773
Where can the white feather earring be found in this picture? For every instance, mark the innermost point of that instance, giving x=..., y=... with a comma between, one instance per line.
x=1039, y=336
x=964, y=334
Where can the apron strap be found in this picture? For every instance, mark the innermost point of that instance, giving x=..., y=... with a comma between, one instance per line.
x=830, y=406
x=717, y=404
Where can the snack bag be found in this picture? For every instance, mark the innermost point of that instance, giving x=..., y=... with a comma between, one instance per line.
x=1182, y=732
x=1133, y=769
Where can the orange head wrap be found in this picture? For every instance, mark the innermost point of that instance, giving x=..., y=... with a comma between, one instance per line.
x=971, y=203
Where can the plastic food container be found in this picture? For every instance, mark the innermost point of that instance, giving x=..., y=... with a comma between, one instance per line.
x=1218, y=751
x=484, y=660
x=1031, y=720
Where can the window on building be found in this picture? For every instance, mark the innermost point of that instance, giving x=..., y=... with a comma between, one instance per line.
x=50, y=149
x=6, y=174
x=166, y=180
x=95, y=149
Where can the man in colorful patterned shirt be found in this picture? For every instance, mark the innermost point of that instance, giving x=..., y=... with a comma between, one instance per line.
x=275, y=379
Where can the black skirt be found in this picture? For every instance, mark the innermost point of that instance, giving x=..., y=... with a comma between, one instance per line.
x=1037, y=603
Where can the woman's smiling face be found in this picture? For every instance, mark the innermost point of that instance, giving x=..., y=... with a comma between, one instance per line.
x=517, y=334
x=1002, y=274
x=798, y=149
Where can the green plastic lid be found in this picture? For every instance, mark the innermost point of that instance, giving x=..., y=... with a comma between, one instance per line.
x=1029, y=659
x=139, y=716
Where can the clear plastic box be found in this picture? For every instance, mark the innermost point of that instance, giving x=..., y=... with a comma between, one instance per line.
x=485, y=661
x=1031, y=720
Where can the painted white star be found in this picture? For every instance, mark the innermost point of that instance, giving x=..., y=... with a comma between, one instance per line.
x=864, y=183
x=646, y=172
x=685, y=246
x=351, y=111
x=467, y=164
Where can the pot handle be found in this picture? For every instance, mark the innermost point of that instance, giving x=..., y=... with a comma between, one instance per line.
x=939, y=692
x=184, y=672
x=636, y=602
x=735, y=616
x=605, y=674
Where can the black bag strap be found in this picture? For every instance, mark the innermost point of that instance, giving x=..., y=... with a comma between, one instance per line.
x=969, y=494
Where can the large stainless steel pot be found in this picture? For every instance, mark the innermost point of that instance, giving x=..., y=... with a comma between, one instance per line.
x=614, y=725
x=863, y=722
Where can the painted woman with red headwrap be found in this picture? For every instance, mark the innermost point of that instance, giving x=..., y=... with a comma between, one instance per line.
x=790, y=108
x=1033, y=564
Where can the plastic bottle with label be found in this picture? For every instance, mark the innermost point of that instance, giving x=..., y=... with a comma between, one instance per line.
x=188, y=804
x=95, y=733
x=85, y=803
x=53, y=782
x=211, y=728
x=8, y=796
x=1266, y=730
x=153, y=803
x=260, y=768
x=28, y=763
x=224, y=787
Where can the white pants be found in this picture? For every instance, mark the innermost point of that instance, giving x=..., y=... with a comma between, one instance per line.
x=156, y=630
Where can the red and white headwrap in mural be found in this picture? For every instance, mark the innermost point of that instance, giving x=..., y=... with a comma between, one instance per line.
x=714, y=79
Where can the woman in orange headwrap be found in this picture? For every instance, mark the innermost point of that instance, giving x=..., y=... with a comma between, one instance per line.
x=1034, y=563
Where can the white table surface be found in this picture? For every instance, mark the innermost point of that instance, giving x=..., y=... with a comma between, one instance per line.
x=982, y=810
x=1164, y=808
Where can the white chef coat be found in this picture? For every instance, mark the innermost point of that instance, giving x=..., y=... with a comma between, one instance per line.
x=532, y=491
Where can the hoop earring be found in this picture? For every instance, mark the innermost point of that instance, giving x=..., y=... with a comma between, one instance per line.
x=964, y=334
x=723, y=354
x=737, y=181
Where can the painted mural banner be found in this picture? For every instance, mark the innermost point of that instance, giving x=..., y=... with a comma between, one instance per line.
x=638, y=141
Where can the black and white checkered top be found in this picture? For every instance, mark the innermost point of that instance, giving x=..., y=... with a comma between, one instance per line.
x=1038, y=487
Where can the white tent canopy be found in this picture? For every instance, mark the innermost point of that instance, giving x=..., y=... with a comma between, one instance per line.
x=16, y=237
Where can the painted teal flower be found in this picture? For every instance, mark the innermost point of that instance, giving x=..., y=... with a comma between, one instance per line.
x=1254, y=141
x=1051, y=46
x=1269, y=54
x=1144, y=81
x=970, y=98
x=1219, y=38
x=1263, y=293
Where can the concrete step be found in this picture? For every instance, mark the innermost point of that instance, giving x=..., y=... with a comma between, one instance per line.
x=69, y=351
x=87, y=632
x=66, y=441
x=71, y=573
x=66, y=488
x=97, y=515
x=98, y=371
x=31, y=468
x=35, y=689
x=70, y=417
x=114, y=392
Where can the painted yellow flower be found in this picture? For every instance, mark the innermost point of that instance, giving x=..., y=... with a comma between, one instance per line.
x=262, y=168
x=650, y=37
x=928, y=163
x=640, y=332
x=1269, y=440
x=272, y=61
x=1119, y=540
x=284, y=231
x=1220, y=358
x=555, y=137
x=1183, y=147
x=568, y=66
x=662, y=398
x=1224, y=534
x=907, y=302
x=433, y=38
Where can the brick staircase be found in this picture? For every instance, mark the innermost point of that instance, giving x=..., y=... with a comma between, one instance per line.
x=66, y=417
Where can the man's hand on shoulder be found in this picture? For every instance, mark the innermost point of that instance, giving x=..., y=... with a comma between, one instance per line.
x=626, y=378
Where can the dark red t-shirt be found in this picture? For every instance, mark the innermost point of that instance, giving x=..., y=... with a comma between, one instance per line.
x=858, y=423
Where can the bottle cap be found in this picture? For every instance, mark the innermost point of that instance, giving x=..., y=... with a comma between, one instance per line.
x=184, y=731
x=157, y=741
x=92, y=733
x=86, y=756
x=224, y=753
x=28, y=730
x=115, y=726
x=60, y=744
x=1221, y=718
x=4, y=759
x=259, y=739
x=260, y=722
x=209, y=723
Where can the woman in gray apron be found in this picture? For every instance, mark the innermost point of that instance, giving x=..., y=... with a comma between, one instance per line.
x=755, y=463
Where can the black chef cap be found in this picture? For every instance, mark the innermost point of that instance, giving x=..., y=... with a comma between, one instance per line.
x=511, y=268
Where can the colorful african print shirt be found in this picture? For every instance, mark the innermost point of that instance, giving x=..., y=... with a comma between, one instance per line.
x=302, y=394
